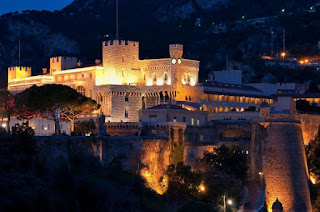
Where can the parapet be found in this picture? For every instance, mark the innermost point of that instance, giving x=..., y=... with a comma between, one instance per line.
x=121, y=43
x=18, y=72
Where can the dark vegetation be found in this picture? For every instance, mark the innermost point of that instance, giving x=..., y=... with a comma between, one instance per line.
x=79, y=183
x=313, y=158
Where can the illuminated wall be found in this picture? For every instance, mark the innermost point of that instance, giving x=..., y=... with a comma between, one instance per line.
x=285, y=168
x=18, y=72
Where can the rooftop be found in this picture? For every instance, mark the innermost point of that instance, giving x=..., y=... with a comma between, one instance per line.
x=230, y=86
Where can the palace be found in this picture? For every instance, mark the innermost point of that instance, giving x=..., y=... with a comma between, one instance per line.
x=122, y=84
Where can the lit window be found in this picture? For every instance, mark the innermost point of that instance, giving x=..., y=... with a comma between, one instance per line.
x=76, y=77
x=175, y=119
x=126, y=113
x=62, y=78
x=69, y=77
x=81, y=90
x=192, y=121
x=198, y=122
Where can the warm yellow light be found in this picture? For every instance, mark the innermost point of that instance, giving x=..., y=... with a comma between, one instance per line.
x=229, y=202
x=283, y=54
x=160, y=82
x=4, y=125
x=202, y=188
x=313, y=178
x=306, y=60
x=301, y=62
x=260, y=173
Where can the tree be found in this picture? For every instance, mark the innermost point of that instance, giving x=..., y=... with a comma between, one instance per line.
x=7, y=106
x=79, y=106
x=54, y=102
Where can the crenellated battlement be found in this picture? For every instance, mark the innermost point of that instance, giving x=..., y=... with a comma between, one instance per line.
x=121, y=43
x=18, y=72
x=176, y=50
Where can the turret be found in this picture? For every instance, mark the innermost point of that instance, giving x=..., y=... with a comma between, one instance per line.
x=18, y=72
x=277, y=206
x=176, y=51
x=62, y=63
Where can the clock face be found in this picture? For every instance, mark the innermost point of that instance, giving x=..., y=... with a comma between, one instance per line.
x=174, y=61
x=179, y=61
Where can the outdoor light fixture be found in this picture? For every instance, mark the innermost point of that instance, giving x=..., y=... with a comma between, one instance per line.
x=4, y=125
x=229, y=202
x=174, y=61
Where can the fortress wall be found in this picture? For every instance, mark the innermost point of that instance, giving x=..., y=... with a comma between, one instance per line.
x=145, y=155
x=285, y=168
x=310, y=125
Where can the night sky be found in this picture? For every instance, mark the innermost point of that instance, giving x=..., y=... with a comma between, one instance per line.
x=20, y=5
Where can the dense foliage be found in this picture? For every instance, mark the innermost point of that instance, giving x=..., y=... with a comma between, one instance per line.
x=56, y=102
x=225, y=171
x=313, y=157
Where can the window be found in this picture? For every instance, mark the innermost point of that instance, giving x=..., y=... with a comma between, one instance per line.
x=62, y=78
x=76, y=77
x=48, y=126
x=201, y=137
x=90, y=75
x=126, y=113
x=184, y=119
x=126, y=98
x=154, y=77
x=192, y=121
x=144, y=77
x=165, y=77
x=82, y=75
x=56, y=79
x=198, y=122
x=69, y=77
x=81, y=90
x=174, y=119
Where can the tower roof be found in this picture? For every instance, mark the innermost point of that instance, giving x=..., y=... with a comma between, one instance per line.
x=277, y=205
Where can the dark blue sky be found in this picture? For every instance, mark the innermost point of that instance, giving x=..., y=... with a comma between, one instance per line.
x=19, y=5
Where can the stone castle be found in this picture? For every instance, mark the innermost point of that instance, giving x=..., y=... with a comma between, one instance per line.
x=163, y=98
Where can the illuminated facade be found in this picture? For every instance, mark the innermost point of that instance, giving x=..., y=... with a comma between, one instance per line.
x=123, y=84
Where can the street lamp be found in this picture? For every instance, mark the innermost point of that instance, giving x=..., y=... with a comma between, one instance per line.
x=202, y=188
x=4, y=125
x=283, y=54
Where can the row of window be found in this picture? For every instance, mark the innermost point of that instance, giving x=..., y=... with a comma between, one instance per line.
x=238, y=99
x=73, y=77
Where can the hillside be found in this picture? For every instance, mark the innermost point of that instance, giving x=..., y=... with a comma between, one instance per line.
x=79, y=29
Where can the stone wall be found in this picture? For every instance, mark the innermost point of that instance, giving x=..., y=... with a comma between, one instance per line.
x=147, y=156
x=310, y=125
x=284, y=166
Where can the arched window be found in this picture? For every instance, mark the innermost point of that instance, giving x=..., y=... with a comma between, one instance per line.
x=154, y=77
x=81, y=90
x=165, y=76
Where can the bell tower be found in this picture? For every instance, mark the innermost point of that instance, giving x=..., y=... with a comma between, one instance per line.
x=176, y=51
